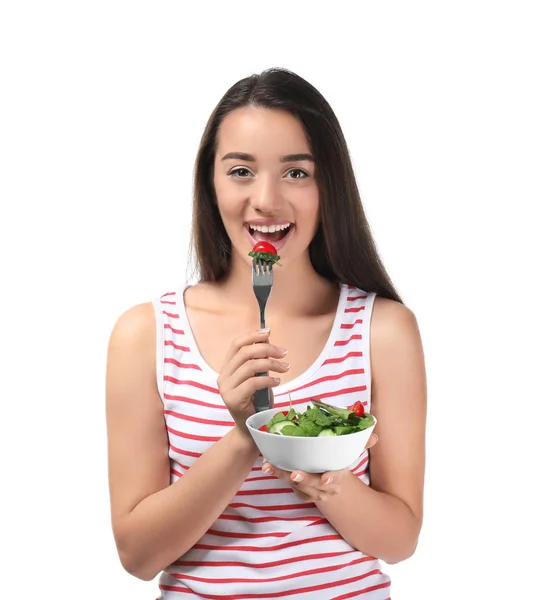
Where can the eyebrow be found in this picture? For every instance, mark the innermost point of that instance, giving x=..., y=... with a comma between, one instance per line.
x=252, y=158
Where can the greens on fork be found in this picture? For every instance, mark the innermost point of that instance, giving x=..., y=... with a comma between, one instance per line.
x=266, y=252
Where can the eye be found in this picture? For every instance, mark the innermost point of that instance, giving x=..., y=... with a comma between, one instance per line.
x=296, y=174
x=240, y=173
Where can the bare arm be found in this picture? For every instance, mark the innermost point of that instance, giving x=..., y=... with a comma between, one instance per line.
x=155, y=523
x=384, y=520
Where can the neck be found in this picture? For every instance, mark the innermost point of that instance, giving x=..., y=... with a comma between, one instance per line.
x=297, y=288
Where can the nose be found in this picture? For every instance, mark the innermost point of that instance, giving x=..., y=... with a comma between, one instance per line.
x=265, y=196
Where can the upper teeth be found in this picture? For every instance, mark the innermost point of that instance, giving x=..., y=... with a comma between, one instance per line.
x=269, y=228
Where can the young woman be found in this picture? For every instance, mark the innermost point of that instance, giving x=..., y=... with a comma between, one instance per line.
x=190, y=495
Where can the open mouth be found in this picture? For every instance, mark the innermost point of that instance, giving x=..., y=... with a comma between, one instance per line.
x=269, y=233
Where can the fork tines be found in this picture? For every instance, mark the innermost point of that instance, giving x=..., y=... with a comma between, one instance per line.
x=262, y=267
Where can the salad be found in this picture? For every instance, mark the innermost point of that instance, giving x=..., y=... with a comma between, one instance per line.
x=320, y=420
x=265, y=251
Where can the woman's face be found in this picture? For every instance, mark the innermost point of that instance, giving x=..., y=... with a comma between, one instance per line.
x=264, y=177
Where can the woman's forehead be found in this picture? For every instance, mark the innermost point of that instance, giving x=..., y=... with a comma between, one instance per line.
x=261, y=132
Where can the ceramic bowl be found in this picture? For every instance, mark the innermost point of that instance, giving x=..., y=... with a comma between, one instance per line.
x=309, y=454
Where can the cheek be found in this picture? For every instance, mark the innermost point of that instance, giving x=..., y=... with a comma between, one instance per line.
x=228, y=198
x=308, y=207
x=219, y=188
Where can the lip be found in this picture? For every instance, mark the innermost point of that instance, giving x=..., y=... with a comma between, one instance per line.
x=278, y=245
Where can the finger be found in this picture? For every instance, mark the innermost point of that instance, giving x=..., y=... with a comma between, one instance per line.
x=327, y=482
x=241, y=397
x=275, y=472
x=307, y=486
x=245, y=354
x=278, y=473
x=313, y=488
x=303, y=492
x=248, y=338
x=270, y=469
x=253, y=352
x=372, y=441
x=258, y=365
x=302, y=495
x=252, y=385
x=313, y=485
x=333, y=478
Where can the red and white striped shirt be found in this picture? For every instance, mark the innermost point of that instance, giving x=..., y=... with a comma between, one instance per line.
x=267, y=543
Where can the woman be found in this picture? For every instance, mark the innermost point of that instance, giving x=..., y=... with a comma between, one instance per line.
x=189, y=493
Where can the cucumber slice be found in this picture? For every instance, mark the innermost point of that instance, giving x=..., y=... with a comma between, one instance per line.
x=326, y=433
x=279, y=425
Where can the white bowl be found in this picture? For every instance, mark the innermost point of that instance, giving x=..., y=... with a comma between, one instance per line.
x=309, y=454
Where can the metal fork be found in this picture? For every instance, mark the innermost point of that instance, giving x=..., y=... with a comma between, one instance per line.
x=262, y=281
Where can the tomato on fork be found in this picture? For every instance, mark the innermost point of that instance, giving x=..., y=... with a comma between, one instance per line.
x=265, y=247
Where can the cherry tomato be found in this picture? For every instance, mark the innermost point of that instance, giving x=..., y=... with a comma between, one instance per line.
x=264, y=247
x=357, y=408
x=263, y=428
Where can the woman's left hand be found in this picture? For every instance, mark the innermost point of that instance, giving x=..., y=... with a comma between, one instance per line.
x=313, y=486
x=309, y=486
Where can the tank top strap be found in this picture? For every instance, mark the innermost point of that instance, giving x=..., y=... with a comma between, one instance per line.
x=357, y=326
x=171, y=342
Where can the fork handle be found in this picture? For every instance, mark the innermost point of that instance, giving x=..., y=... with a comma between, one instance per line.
x=262, y=398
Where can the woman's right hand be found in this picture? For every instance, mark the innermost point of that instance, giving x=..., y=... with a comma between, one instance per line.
x=238, y=381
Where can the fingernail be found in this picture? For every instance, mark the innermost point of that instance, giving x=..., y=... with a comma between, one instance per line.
x=267, y=470
x=285, y=365
x=297, y=477
x=276, y=380
x=266, y=330
x=283, y=351
x=329, y=480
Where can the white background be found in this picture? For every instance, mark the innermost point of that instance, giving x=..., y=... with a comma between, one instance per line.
x=443, y=105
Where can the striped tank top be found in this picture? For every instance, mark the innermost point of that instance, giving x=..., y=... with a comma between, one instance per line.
x=267, y=543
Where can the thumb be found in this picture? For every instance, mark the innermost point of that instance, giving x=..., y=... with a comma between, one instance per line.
x=372, y=441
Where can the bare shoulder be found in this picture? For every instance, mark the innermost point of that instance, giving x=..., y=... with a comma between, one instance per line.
x=396, y=345
x=134, y=326
x=132, y=347
x=392, y=322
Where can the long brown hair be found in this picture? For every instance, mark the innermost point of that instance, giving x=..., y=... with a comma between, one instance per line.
x=343, y=248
